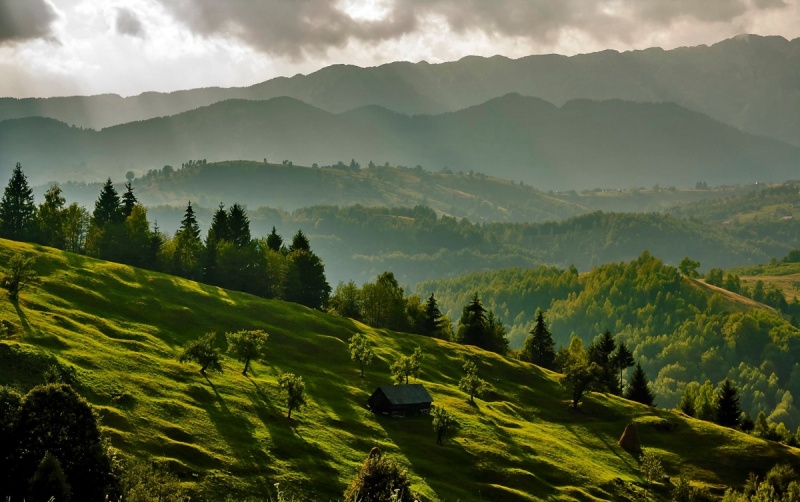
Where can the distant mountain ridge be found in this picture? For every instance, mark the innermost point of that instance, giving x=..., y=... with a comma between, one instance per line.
x=582, y=144
x=749, y=82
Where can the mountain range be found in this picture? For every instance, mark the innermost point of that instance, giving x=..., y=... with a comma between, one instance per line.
x=749, y=82
x=581, y=144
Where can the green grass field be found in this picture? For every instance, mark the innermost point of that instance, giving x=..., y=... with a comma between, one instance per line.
x=226, y=434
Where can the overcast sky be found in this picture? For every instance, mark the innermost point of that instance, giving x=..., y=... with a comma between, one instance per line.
x=65, y=47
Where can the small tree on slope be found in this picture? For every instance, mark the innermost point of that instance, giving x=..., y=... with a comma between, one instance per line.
x=203, y=352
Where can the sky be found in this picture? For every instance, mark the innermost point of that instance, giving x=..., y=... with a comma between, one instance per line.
x=126, y=47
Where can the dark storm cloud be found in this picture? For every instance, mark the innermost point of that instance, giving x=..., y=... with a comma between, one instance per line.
x=128, y=23
x=300, y=27
x=25, y=19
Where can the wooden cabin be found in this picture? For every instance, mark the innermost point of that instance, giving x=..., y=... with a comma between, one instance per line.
x=400, y=400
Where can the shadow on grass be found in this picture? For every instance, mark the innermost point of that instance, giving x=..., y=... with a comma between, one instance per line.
x=23, y=319
x=288, y=444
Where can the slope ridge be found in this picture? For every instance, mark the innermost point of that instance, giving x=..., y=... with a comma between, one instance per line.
x=121, y=328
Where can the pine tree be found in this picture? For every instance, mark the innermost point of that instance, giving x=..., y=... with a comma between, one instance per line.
x=128, y=200
x=187, y=258
x=107, y=206
x=600, y=351
x=539, y=347
x=17, y=210
x=239, y=225
x=274, y=241
x=639, y=388
x=729, y=411
x=220, y=230
x=300, y=242
x=473, y=325
x=621, y=359
x=431, y=323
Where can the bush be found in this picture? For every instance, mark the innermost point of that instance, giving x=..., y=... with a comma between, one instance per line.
x=379, y=480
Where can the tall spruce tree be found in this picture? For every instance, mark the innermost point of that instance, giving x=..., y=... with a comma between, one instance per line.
x=274, y=241
x=17, y=210
x=600, y=351
x=431, y=322
x=239, y=225
x=729, y=410
x=107, y=207
x=128, y=200
x=52, y=218
x=473, y=326
x=539, y=347
x=187, y=257
x=639, y=388
x=622, y=359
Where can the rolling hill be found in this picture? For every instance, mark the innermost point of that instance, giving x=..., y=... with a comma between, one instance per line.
x=121, y=330
x=582, y=144
x=749, y=82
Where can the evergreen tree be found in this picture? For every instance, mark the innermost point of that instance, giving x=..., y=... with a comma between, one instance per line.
x=496, y=334
x=188, y=249
x=239, y=225
x=52, y=216
x=17, y=210
x=129, y=200
x=621, y=359
x=729, y=411
x=639, y=388
x=539, y=347
x=300, y=242
x=473, y=326
x=107, y=207
x=220, y=229
x=305, y=281
x=432, y=318
x=600, y=351
x=274, y=241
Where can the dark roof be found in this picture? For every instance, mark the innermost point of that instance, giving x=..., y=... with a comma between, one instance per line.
x=406, y=394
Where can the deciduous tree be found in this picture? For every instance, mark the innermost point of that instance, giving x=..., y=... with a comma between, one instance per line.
x=247, y=345
x=360, y=351
x=470, y=382
x=407, y=366
x=444, y=423
x=204, y=352
x=20, y=275
x=294, y=389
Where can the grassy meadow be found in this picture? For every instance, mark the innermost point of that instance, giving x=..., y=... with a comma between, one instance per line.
x=122, y=328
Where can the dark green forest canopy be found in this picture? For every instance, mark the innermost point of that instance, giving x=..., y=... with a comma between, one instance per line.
x=678, y=328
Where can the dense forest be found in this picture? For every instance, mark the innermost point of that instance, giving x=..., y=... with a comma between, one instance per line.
x=679, y=329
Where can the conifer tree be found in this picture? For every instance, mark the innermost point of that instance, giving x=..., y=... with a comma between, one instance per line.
x=621, y=359
x=239, y=225
x=539, y=347
x=274, y=241
x=431, y=321
x=219, y=230
x=600, y=351
x=300, y=242
x=187, y=258
x=129, y=200
x=639, y=388
x=107, y=206
x=17, y=210
x=729, y=411
x=473, y=325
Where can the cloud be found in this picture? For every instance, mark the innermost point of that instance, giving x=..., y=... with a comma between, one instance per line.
x=24, y=20
x=128, y=23
x=299, y=29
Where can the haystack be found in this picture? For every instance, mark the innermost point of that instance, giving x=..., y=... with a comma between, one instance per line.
x=629, y=441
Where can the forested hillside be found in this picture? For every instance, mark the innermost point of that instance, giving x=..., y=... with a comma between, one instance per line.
x=681, y=330
x=116, y=333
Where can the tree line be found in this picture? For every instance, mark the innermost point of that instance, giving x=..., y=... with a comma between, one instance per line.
x=118, y=230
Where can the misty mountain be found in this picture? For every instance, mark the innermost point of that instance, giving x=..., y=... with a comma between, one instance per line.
x=749, y=82
x=582, y=144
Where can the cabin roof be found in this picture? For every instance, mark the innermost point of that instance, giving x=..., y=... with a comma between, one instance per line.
x=406, y=394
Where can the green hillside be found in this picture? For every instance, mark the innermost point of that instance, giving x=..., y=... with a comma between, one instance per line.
x=122, y=328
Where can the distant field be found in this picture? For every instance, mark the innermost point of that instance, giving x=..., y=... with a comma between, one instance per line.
x=122, y=328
